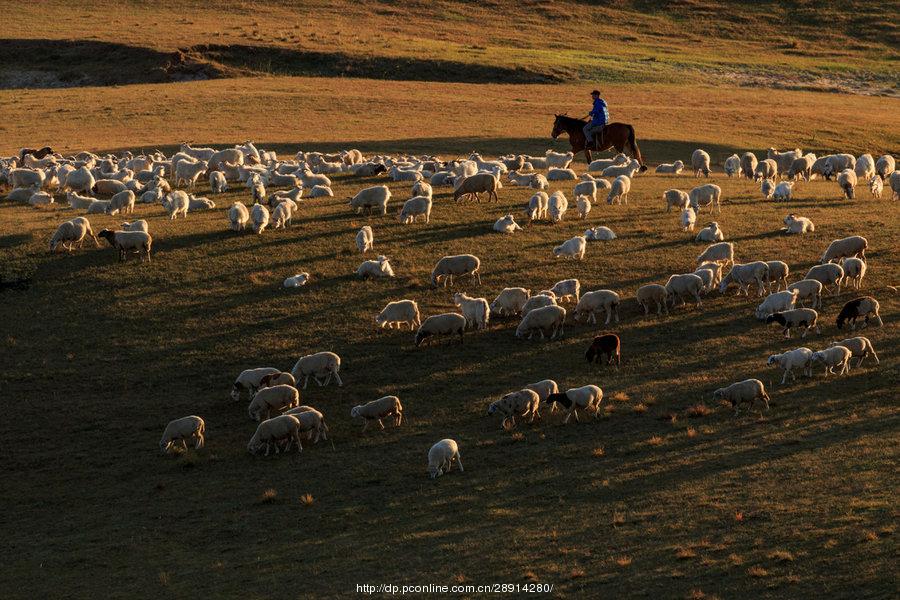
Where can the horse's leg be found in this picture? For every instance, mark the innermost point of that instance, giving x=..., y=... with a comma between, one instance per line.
x=587, y=155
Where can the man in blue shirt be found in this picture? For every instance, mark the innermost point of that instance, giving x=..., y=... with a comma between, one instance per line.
x=599, y=118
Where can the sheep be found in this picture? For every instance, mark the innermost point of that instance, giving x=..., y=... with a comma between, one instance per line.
x=476, y=310
x=559, y=159
x=313, y=180
x=748, y=165
x=827, y=274
x=459, y=265
x=283, y=214
x=185, y=429
x=441, y=457
x=628, y=170
x=320, y=191
x=706, y=195
x=572, y=248
x=835, y=356
x=217, y=182
x=79, y=202
x=274, y=431
x=250, y=380
x=608, y=344
x=710, y=233
x=79, y=180
x=700, y=162
x=516, y=178
x=557, y=205
x=765, y=169
x=847, y=180
x=238, y=216
x=688, y=218
x=546, y=298
x=139, y=225
x=549, y=319
x=809, y=289
x=676, y=198
x=600, y=233
x=587, y=398
x=584, y=206
x=188, y=172
x=544, y=388
x=420, y=188
x=783, y=160
x=687, y=284
x=176, y=203
x=714, y=268
x=802, y=167
x=399, y=312
x=506, y=224
x=371, y=197
x=860, y=307
x=26, y=178
x=778, y=273
x=674, y=168
x=365, y=239
x=586, y=188
x=854, y=245
x=767, y=189
x=745, y=274
x=798, y=225
x=655, y=293
x=125, y=241
x=539, y=182
x=259, y=216
x=895, y=185
x=783, y=191
x=510, y=301
x=876, y=186
x=378, y=268
x=413, y=208
x=854, y=271
x=555, y=174
x=777, y=302
x=524, y=403
x=196, y=203
x=885, y=166
x=40, y=199
x=859, y=347
x=797, y=317
x=376, y=410
x=747, y=391
x=122, y=202
x=790, y=360
x=732, y=165
x=108, y=187
x=567, y=289
x=475, y=184
x=618, y=192
x=603, y=163
x=279, y=378
x=98, y=207
x=72, y=232
x=319, y=365
x=295, y=281
x=708, y=277
x=442, y=324
x=537, y=207
x=276, y=398
x=865, y=167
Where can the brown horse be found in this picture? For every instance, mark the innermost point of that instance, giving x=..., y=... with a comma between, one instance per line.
x=618, y=135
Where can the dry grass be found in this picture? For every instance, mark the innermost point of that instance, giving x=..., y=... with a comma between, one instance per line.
x=306, y=500
x=268, y=496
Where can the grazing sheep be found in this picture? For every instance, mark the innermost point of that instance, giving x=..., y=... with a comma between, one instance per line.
x=586, y=188
x=238, y=215
x=476, y=310
x=475, y=184
x=628, y=170
x=510, y=302
x=539, y=182
x=441, y=457
x=835, y=356
x=777, y=302
x=539, y=301
x=442, y=324
x=607, y=344
x=587, y=398
x=273, y=432
x=885, y=166
x=714, y=268
x=895, y=185
x=128, y=241
x=860, y=307
x=767, y=189
x=365, y=239
x=766, y=169
x=413, y=208
x=676, y=198
x=709, y=279
x=399, y=312
x=743, y=275
x=860, y=347
x=506, y=224
x=599, y=233
x=847, y=180
x=809, y=289
x=865, y=167
x=250, y=380
x=276, y=398
x=217, y=182
x=584, y=206
x=602, y=163
x=557, y=206
x=855, y=245
x=827, y=274
x=783, y=191
x=854, y=271
x=876, y=186
x=459, y=265
x=70, y=233
x=380, y=267
x=778, y=273
x=710, y=233
x=321, y=365
x=185, y=429
x=748, y=165
x=547, y=320
x=618, y=192
x=567, y=289
x=790, y=360
x=706, y=195
x=655, y=293
x=371, y=197
x=798, y=225
x=572, y=248
x=524, y=403
x=376, y=410
x=537, y=207
x=784, y=160
x=688, y=218
x=176, y=203
x=687, y=284
x=279, y=378
x=298, y=280
x=797, y=317
x=700, y=162
x=747, y=391
x=802, y=167
x=259, y=216
x=283, y=214
x=544, y=388
x=675, y=168
x=732, y=165
x=122, y=202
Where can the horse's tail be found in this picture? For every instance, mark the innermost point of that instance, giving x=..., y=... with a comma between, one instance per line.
x=634, y=148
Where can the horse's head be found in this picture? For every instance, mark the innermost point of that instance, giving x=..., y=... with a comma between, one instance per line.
x=557, y=127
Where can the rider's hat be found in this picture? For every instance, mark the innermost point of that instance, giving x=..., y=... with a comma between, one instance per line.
x=595, y=93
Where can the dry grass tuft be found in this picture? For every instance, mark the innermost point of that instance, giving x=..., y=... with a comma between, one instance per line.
x=618, y=518
x=621, y=397
x=757, y=571
x=577, y=572
x=623, y=561
x=735, y=559
x=531, y=576
x=871, y=536
x=691, y=432
x=306, y=500
x=517, y=437
x=599, y=452
x=268, y=496
x=698, y=410
x=164, y=578
x=685, y=553
x=656, y=440
x=781, y=556
x=739, y=516
x=640, y=408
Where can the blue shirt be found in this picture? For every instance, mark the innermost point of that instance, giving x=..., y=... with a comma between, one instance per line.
x=599, y=113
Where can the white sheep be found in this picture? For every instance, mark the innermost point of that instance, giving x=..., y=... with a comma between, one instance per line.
x=783, y=191
x=378, y=268
x=865, y=167
x=276, y=398
x=895, y=185
x=238, y=215
x=418, y=206
x=854, y=271
x=593, y=302
x=700, y=162
x=706, y=195
x=545, y=298
x=876, y=186
x=653, y=292
x=743, y=275
x=587, y=398
x=459, y=265
x=835, y=356
x=584, y=206
x=365, y=239
x=783, y=160
x=543, y=389
x=273, y=432
x=778, y=274
x=748, y=165
x=885, y=166
x=572, y=248
x=802, y=167
x=618, y=191
x=747, y=391
x=766, y=169
x=790, y=360
x=710, y=233
x=688, y=219
x=320, y=191
x=557, y=206
x=249, y=380
x=128, y=241
x=567, y=289
x=399, y=312
x=537, y=206
x=586, y=188
x=283, y=215
x=524, y=403
x=777, y=302
x=298, y=280
x=321, y=366
x=371, y=197
x=183, y=430
x=860, y=347
x=539, y=182
x=139, y=225
x=628, y=170
x=555, y=174
x=732, y=165
x=217, y=182
x=506, y=224
x=439, y=325
x=176, y=203
x=722, y=252
x=847, y=180
x=686, y=284
x=510, y=301
x=602, y=163
x=674, y=168
x=714, y=268
x=559, y=159
x=827, y=274
x=797, y=317
x=798, y=225
x=767, y=188
x=441, y=457
x=259, y=216
x=376, y=410
x=547, y=320
x=676, y=198
x=187, y=172
x=600, y=233
x=855, y=245
x=72, y=232
x=476, y=310
x=809, y=289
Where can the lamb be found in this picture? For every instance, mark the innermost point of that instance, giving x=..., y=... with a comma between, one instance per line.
x=798, y=225
x=506, y=224
x=700, y=162
x=567, y=289
x=809, y=289
x=748, y=165
x=572, y=248
x=745, y=274
x=320, y=191
x=708, y=277
x=798, y=317
x=835, y=356
x=847, y=180
x=250, y=380
x=441, y=457
x=674, y=168
x=475, y=184
x=885, y=166
x=860, y=347
x=524, y=403
x=767, y=188
x=537, y=206
x=783, y=160
x=860, y=307
x=655, y=293
x=584, y=206
x=676, y=198
x=238, y=216
x=599, y=233
x=588, y=189
x=895, y=185
x=715, y=269
x=188, y=172
x=72, y=232
x=555, y=174
x=321, y=365
x=854, y=245
x=476, y=310
x=185, y=429
x=259, y=216
x=747, y=391
x=376, y=196
x=557, y=206
x=459, y=265
x=876, y=186
x=777, y=302
x=413, y=208
x=549, y=319
x=376, y=410
x=865, y=167
x=442, y=324
x=628, y=170
x=559, y=159
x=710, y=233
x=733, y=165
x=783, y=191
x=688, y=218
x=587, y=398
x=790, y=360
x=272, y=399
x=687, y=284
x=510, y=301
x=854, y=271
x=217, y=182
x=766, y=169
x=378, y=268
x=778, y=273
x=126, y=241
x=176, y=203
x=618, y=192
x=603, y=163
x=608, y=344
x=295, y=281
x=365, y=239
x=273, y=432
x=399, y=312
x=827, y=274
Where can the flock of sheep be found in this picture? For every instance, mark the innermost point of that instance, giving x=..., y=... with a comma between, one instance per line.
x=114, y=184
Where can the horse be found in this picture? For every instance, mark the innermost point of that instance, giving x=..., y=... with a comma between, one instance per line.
x=618, y=135
x=38, y=154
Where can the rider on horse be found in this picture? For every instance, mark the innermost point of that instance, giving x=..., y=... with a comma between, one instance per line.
x=599, y=118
